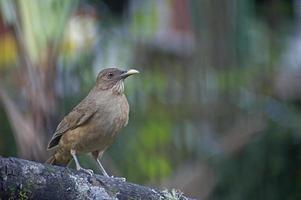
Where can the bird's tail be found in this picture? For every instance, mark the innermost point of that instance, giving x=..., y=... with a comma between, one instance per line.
x=50, y=160
x=57, y=159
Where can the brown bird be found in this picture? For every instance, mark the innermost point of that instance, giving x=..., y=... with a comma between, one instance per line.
x=94, y=123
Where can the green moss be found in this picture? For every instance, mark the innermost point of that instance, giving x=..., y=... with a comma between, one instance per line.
x=21, y=194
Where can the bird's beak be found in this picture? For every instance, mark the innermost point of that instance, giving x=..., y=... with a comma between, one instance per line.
x=129, y=73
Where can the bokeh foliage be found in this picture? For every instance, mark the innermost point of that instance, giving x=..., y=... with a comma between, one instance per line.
x=206, y=95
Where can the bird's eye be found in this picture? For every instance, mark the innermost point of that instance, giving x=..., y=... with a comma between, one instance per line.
x=110, y=75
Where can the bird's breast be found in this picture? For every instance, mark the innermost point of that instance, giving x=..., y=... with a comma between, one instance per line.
x=113, y=114
x=105, y=124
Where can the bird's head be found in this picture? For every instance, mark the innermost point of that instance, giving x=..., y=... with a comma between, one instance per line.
x=112, y=78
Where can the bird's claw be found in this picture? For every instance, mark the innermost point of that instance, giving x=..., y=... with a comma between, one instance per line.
x=88, y=171
x=119, y=178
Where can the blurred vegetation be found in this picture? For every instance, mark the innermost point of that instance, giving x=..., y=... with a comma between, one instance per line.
x=215, y=111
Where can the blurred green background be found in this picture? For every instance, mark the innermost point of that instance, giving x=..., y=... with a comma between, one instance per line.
x=215, y=112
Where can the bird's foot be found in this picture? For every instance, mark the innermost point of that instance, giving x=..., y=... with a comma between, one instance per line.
x=88, y=171
x=119, y=178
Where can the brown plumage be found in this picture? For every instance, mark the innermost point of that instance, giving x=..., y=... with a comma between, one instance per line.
x=94, y=123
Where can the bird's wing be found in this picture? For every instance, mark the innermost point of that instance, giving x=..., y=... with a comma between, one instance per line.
x=77, y=117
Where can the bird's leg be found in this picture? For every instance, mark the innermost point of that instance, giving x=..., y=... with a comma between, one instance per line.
x=103, y=171
x=78, y=167
x=96, y=155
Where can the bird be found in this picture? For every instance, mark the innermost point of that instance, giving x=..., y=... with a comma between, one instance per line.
x=94, y=123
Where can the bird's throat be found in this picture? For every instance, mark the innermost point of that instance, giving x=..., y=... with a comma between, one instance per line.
x=118, y=88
